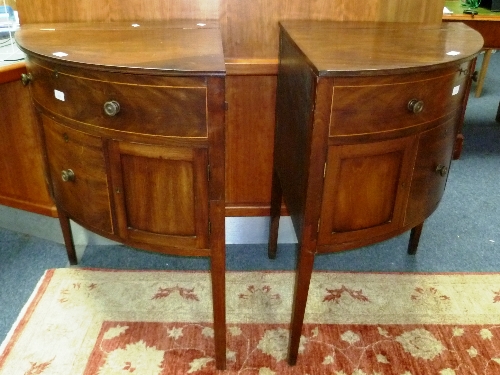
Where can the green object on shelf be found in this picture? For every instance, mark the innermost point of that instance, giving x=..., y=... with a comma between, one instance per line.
x=471, y=4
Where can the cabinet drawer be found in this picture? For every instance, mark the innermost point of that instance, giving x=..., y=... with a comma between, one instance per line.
x=165, y=106
x=363, y=105
x=79, y=159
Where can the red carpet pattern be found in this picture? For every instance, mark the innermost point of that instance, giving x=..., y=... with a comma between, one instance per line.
x=131, y=322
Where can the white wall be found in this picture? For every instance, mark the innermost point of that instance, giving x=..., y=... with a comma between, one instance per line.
x=239, y=230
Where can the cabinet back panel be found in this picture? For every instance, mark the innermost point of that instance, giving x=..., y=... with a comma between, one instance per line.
x=249, y=138
x=293, y=130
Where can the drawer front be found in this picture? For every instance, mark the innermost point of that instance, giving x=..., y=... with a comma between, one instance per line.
x=165, y=106
x=79, y=159
x=364, y=105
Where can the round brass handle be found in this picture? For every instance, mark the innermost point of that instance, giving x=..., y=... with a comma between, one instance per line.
x=442, y=169
x=26, y=78
x=111, y=108
x=415, y=106
x=68, y=175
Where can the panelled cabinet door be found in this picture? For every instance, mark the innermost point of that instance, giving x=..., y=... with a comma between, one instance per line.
x=161, y=194
x=365, y=189
x=78, y=173
x=435, y=150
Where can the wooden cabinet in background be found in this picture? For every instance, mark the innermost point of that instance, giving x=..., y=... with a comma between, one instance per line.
x=22, y=183
x=366, y=121
x=249, y=144
x=134, y=136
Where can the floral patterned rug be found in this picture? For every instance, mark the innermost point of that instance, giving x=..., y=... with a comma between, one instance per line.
x=104, y=322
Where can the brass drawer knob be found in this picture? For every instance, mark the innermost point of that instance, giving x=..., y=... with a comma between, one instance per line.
x=26, y=78
x=68, y=175
x=111, y=108
x=442, y=169
x=415, y=105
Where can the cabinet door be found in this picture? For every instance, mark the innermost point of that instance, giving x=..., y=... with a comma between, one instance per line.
x=78, y=173
x=161, y=194
x=365, y=189
x=435, y=149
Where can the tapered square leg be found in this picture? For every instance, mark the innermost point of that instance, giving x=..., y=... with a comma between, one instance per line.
x=219, y=309
x=414, y=239
x=218, y=272
x=302, y=281
x=67, y=236
x=276, y=199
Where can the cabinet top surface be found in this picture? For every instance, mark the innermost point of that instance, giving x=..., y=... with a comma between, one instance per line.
x=173, y=47
x=372, y=48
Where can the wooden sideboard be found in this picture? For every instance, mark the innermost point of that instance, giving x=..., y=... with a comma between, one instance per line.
x=367, y=117
x=250, y=40
x=132, y=122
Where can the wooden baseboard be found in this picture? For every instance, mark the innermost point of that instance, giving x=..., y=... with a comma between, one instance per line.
x=238, y=210
x=37, y=208
x=251, y=66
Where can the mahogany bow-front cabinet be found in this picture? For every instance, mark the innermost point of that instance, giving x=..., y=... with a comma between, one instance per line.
x=366, y=122
x=132, y=120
